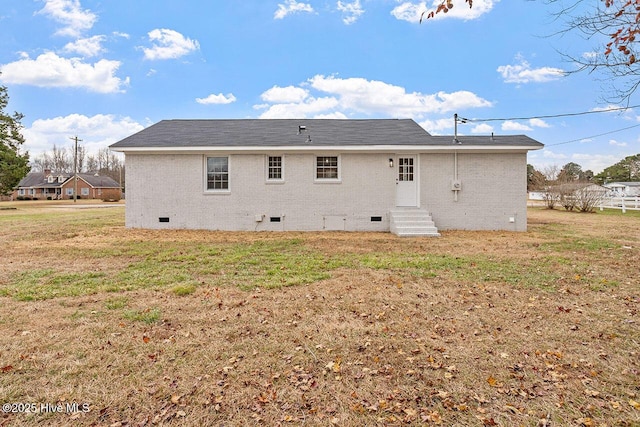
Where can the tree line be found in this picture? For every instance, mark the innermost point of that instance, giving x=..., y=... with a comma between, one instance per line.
x=60, y=160
x=568, y=186
x=626, y=170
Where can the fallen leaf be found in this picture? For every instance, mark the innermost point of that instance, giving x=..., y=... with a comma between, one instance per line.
x=492, y=381
x=410, y=412
x=6, y=369
x=511, y=409
x=592, y=393
x=634, y=404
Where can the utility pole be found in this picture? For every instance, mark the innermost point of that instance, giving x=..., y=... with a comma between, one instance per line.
x=75, y=168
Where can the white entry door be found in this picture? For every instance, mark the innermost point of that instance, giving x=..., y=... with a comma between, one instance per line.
x=407, y=181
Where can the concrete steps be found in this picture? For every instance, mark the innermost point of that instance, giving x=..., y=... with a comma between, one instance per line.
x=412, y=222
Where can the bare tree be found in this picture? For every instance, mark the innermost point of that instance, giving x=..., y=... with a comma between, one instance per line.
x=615, y=21
x=551, y=195
x=80, y=158
x=91, y=164
x=60, y=161
x=41, y=163
x=589, y=197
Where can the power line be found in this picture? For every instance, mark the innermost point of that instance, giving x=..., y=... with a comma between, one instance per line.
x=593, y=136
x=550, y=116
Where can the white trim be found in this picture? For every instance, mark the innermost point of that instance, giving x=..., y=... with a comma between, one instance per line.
x=333, y=148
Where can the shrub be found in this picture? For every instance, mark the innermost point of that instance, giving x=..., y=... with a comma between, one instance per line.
x=110, y=195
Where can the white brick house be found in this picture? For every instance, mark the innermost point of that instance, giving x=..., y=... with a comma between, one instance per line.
x=354, y=175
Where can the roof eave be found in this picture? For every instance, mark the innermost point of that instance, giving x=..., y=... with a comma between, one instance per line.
x=470, y=148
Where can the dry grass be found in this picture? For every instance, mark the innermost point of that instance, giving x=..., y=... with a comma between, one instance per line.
x=473, y=328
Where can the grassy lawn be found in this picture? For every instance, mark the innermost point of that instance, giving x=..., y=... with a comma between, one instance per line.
x=179, y=327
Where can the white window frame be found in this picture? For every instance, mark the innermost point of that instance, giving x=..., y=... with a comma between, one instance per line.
x=338, y=179
x=84, y=191
x=208, y=190
x=69, y=191
x=268, y=169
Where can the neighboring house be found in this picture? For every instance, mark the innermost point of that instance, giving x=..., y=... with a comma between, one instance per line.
x=53, y=186
x=624, y=189
x=573, y=188
x=355, y=175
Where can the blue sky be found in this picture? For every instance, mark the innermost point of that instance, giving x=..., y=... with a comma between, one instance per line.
x=104, y=69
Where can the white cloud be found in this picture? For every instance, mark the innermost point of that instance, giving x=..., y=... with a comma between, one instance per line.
x=360, y=96
x=510, y=125
x=539, y=123
x=597, y=162
x=217, y=99
x=87, y=47
x=412, y=11
x=612, y=108
x=523, y=73
x=289, y=94
x=351, y=11
x=123, y=35
x=376, y=97
x=96, y=132
x=291, y=6
x=482, y=129
x=169, y=44
x=336, y=115
x=310, y=107
x=409, y=12
x=70, y=14
x=51, y=70
x=617, y=143
x=435, y=127
x=548, y=154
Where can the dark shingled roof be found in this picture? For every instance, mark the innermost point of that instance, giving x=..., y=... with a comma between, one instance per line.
x=39, y=179
x=287, y=133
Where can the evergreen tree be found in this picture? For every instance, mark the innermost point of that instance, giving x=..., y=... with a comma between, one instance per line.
x=627, y=169
x=14, y=165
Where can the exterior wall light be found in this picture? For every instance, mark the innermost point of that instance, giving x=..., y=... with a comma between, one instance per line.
x=390, y=163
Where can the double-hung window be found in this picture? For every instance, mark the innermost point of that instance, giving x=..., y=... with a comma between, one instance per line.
x=217, y=173
x=327, y=168
x=275, y=168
